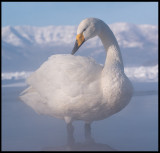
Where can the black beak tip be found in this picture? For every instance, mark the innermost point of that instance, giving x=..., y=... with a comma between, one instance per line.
x=72, y=53
x=75, y=48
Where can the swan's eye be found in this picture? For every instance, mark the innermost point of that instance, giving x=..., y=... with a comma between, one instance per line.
x=84, y=29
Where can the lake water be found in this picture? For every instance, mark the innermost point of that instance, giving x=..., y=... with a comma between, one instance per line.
x=135, y=128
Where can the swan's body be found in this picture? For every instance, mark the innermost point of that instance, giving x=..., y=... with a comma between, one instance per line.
x=71, y=94
x=77, y=88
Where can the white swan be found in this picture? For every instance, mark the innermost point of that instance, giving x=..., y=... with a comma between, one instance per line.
x=77, y=88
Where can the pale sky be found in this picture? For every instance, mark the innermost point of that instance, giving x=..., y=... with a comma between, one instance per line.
x=71, y=13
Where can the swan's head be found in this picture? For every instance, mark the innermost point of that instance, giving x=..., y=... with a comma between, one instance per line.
x=88, y=28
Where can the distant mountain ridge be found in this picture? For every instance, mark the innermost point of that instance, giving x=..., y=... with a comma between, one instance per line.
x=128, y=35
x=27, y=47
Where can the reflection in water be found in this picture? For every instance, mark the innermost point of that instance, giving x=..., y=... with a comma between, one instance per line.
x=81, y=147
x=88, y=145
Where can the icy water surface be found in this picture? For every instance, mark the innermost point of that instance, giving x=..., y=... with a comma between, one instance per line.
x=135, y=128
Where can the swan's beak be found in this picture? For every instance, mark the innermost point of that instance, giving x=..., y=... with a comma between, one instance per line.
x=79, y=41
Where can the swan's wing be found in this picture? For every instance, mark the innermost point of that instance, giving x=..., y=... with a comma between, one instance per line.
x=66, y=76
x=35, y=100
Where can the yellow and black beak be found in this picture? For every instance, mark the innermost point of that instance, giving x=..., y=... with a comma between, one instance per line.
x=79, y=41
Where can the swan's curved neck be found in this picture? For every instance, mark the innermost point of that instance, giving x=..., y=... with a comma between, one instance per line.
x=113, y=54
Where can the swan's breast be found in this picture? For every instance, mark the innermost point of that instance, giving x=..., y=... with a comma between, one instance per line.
x=117, y=90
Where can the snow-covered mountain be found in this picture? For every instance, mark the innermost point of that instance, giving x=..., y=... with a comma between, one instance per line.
x=25, y=48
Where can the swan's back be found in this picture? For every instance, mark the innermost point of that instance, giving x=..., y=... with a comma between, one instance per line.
x=64, y=84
